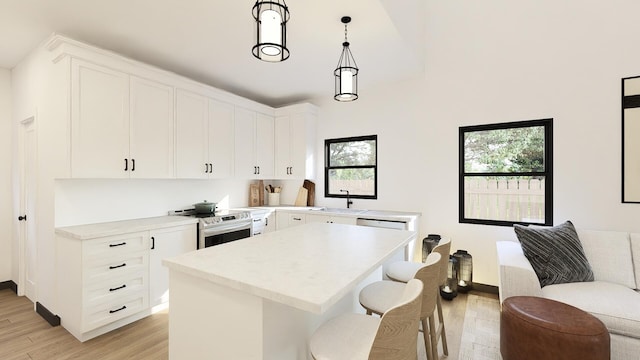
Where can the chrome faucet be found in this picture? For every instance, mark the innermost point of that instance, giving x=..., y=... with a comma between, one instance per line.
x=349, y=202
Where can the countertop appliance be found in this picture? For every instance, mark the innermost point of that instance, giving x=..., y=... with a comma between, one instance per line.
x=220, y=227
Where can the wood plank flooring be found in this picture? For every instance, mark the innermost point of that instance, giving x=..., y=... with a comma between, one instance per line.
x=24, y=335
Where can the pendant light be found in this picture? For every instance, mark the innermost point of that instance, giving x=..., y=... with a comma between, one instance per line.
x=271, y=30
x=346, y=73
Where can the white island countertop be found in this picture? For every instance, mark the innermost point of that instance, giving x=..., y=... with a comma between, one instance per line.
x=308, y=267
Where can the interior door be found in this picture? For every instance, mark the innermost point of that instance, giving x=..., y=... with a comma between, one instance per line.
x=27, y=247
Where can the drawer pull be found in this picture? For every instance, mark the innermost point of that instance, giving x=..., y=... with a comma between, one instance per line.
x=118, y=288
x=116, y=310
x=117, y=266
x=120, y=244
x=297, y=219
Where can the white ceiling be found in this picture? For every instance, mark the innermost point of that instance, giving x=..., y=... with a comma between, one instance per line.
x=210, y=40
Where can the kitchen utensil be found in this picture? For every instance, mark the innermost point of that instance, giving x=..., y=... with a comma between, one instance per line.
x=301, y=199
x=311, y=192
x=205, y=207
x=254, y=195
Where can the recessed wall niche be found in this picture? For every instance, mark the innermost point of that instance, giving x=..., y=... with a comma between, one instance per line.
x=631, y=139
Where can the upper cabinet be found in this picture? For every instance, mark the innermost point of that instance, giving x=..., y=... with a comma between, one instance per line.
x=152, y=129
x=254, y=145
x=99, y=122
x=205, y=137
x=121, y=125
x=294, y=142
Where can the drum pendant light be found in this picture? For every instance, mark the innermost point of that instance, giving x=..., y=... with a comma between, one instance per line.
x=271, y=19
x=346, y=73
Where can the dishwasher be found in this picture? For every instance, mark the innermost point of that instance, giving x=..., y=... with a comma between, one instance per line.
x=387, y=224
x=390, y=224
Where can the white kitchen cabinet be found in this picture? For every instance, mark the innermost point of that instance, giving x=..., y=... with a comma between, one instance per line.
x=151, y=145
x=101, y=281
x=192, y=118
x=285, y=219
x=294, y=134
x=166, y=243
x=264, y=221
x=121, y=126
x=99, y=122
x=204, y=137
x=254, y=145
x=311, y=218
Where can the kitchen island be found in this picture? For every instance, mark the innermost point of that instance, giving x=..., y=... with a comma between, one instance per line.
x=262, y=297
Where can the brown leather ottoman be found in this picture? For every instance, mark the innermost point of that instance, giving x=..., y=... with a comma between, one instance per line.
x=541, y=329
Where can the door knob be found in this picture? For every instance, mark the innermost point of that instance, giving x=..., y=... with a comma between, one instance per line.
x=21, y=218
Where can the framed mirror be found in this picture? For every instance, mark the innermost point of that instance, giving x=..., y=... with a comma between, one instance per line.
x=631, y=139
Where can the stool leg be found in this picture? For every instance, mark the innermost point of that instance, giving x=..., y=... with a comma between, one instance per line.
x=434, y=337
x=427, y=339
x=441, y=332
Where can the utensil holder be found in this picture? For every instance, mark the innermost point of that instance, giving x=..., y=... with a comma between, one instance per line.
x=274, y=199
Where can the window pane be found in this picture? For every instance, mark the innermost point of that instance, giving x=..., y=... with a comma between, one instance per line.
x=505, y=150
x=352, y=153
x=505, y=198
x=357, y=181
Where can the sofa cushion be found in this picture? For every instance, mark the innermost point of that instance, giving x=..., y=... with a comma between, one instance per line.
x=617, y=306
x=555, y=253
x=609, y=254
x=635, y=251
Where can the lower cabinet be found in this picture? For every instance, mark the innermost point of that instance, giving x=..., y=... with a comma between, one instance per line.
x=107, y=282
x=286, y=219
x=263, y=221
x=167, y=243
x=311, y=218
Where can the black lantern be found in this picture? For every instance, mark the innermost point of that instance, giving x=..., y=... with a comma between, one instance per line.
x=449, y=290
x=428, y=243
x=271, y=30
x=346, y=73
x=465, y=274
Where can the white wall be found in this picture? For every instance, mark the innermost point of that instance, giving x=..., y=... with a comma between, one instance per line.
x=6, y=211
x=90, y=201
x=497, y=61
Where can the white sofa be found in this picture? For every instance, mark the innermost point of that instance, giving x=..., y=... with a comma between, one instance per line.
x=614, y=296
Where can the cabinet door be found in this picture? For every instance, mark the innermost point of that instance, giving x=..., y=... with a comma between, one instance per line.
x=298, y=140
x=99, y=122
x=166, y=243
x=221, y=144
x=264, y=146
x=245, y=144
x=282, y=144
x=315, y=218
x=269, y=222
x=192, y=118
x=152, y=129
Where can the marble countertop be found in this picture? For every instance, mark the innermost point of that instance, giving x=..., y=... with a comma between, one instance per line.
x=309, y=267
x=356, y=213
x=91, y=231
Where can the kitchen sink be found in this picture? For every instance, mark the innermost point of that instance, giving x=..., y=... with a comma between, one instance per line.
x=339, y=210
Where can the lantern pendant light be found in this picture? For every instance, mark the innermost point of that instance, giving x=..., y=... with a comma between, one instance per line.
x=346, y=73
x=271, y=30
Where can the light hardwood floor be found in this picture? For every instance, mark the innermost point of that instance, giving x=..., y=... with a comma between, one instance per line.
x=24, y=335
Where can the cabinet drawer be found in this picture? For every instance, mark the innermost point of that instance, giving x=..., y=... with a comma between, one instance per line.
x=101, y=270
x=98, y=315
x=115, y=245
x=297, y=219
x=111, y=290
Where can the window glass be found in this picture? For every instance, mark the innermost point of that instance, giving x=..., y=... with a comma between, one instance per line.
x=506, y=173
x=351, y=165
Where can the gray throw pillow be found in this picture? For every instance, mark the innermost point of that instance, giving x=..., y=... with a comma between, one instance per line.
x=555, y=253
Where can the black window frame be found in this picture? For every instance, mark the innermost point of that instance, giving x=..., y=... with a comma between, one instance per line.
x=547, y=173
x=328, y=168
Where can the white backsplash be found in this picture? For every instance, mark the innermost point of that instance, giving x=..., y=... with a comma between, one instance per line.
x=80, y=201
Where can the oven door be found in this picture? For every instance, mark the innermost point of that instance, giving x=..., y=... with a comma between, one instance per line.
x=223, y=233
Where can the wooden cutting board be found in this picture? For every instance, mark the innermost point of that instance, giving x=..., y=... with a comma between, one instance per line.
x=261, y=193
x=301, y=199
x=311, y=192
x=254, y=195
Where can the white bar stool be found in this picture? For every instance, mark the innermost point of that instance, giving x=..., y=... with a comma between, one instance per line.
x=361, y=337
x=378, y=297
x=404, y=271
